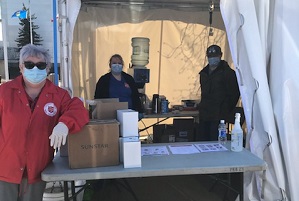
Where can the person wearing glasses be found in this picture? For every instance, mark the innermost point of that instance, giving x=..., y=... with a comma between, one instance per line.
x=219, y=94
x=35, y=118
x=118, y=84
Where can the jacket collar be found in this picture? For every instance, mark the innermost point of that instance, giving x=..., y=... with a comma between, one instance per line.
x=18, y=83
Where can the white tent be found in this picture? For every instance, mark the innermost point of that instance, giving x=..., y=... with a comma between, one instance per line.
x=179, y=36
x=264, y=48
x=264, y=42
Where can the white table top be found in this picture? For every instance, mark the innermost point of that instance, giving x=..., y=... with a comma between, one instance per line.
x=165, y=165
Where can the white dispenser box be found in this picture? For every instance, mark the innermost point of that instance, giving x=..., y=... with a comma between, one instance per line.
x=130, y=152
x=128, y=120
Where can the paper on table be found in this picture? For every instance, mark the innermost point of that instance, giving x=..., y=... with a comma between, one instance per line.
x=183, y=149
x=154, y=150
x=210, y=147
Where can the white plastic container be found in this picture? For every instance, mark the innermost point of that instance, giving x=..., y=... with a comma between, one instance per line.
x=140, y=55
x=237, y=135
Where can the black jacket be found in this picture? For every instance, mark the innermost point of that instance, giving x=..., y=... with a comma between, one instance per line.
x=102, y=89
x=219, y=92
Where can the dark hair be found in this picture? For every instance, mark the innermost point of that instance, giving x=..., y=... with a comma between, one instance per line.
x=116, y=56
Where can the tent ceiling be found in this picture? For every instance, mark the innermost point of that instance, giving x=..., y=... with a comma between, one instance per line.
x=171, y=4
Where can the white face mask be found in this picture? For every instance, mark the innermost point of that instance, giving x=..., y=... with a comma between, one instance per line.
x=116, y=68
x=34, y=75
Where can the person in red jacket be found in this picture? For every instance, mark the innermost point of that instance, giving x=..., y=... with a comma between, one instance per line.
x=35, y=118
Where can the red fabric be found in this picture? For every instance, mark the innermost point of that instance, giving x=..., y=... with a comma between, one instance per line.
x=24, y=135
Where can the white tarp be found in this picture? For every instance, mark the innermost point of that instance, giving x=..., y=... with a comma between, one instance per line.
x=264, y=45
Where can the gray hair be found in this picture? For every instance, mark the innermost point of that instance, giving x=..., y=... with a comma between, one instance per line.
x=30, y=50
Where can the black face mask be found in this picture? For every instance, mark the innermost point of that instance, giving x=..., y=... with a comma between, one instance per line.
x=214, y=61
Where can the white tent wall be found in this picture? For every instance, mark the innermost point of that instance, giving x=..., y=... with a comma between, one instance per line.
x=178, y=41
x=284, y=87
x=264, y=45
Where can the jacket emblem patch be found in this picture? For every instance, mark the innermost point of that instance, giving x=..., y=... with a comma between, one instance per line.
x=50, y=109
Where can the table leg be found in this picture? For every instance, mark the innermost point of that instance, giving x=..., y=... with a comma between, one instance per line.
x=237, y=183
x=74, y=196
x=66, y=191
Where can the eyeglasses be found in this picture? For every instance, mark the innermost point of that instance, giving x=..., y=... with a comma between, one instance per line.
x=39, y=65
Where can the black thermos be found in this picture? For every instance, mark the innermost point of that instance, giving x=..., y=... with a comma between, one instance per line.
x=155, y=104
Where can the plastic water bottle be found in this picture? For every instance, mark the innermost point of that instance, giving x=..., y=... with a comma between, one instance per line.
x=222, y=138
x=237, y=135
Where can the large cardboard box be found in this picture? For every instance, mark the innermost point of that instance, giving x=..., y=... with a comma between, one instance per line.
x=97, y=144
x=106, y=108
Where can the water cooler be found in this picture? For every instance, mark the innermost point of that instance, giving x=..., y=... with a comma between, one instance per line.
x=139, y=60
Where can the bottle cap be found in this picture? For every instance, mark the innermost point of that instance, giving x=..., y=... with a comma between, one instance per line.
x=238, y=116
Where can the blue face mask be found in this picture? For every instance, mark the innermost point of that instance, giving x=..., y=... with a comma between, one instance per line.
x=34, y=75
x=214, y=61
x=116, y=68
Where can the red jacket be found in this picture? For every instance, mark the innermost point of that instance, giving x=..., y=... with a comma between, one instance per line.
x=24, y=135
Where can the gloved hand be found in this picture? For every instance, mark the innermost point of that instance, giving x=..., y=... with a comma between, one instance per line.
x=59, y=134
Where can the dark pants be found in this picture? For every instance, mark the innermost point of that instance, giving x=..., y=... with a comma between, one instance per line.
x=22, y=192
x=207, y=131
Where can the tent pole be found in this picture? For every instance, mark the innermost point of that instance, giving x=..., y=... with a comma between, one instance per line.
x=30, y=24
x=161, y=39
x=4, y=34
x=55, y=43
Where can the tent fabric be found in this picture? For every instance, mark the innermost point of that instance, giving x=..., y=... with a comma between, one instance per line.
x=178, y=41
x=262, y=37
x=264, y=46
x=68, y=12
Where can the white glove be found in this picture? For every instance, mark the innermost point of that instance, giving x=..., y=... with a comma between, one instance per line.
x=59, y=134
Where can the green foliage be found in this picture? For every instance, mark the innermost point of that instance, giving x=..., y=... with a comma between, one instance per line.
x=24, y=34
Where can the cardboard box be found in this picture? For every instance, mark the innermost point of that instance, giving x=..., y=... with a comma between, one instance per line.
x=128, y=120
x=184, y=129
x=184, y=135
x=163, y=133
x=95, y=145
x=131, y=152
x=106, y=108
x=64, y=150
x=183, y=123
x=121, y=143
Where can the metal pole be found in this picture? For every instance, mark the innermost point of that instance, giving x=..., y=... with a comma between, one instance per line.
x=55, y=43
x=30, y=24
x=4, y=34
